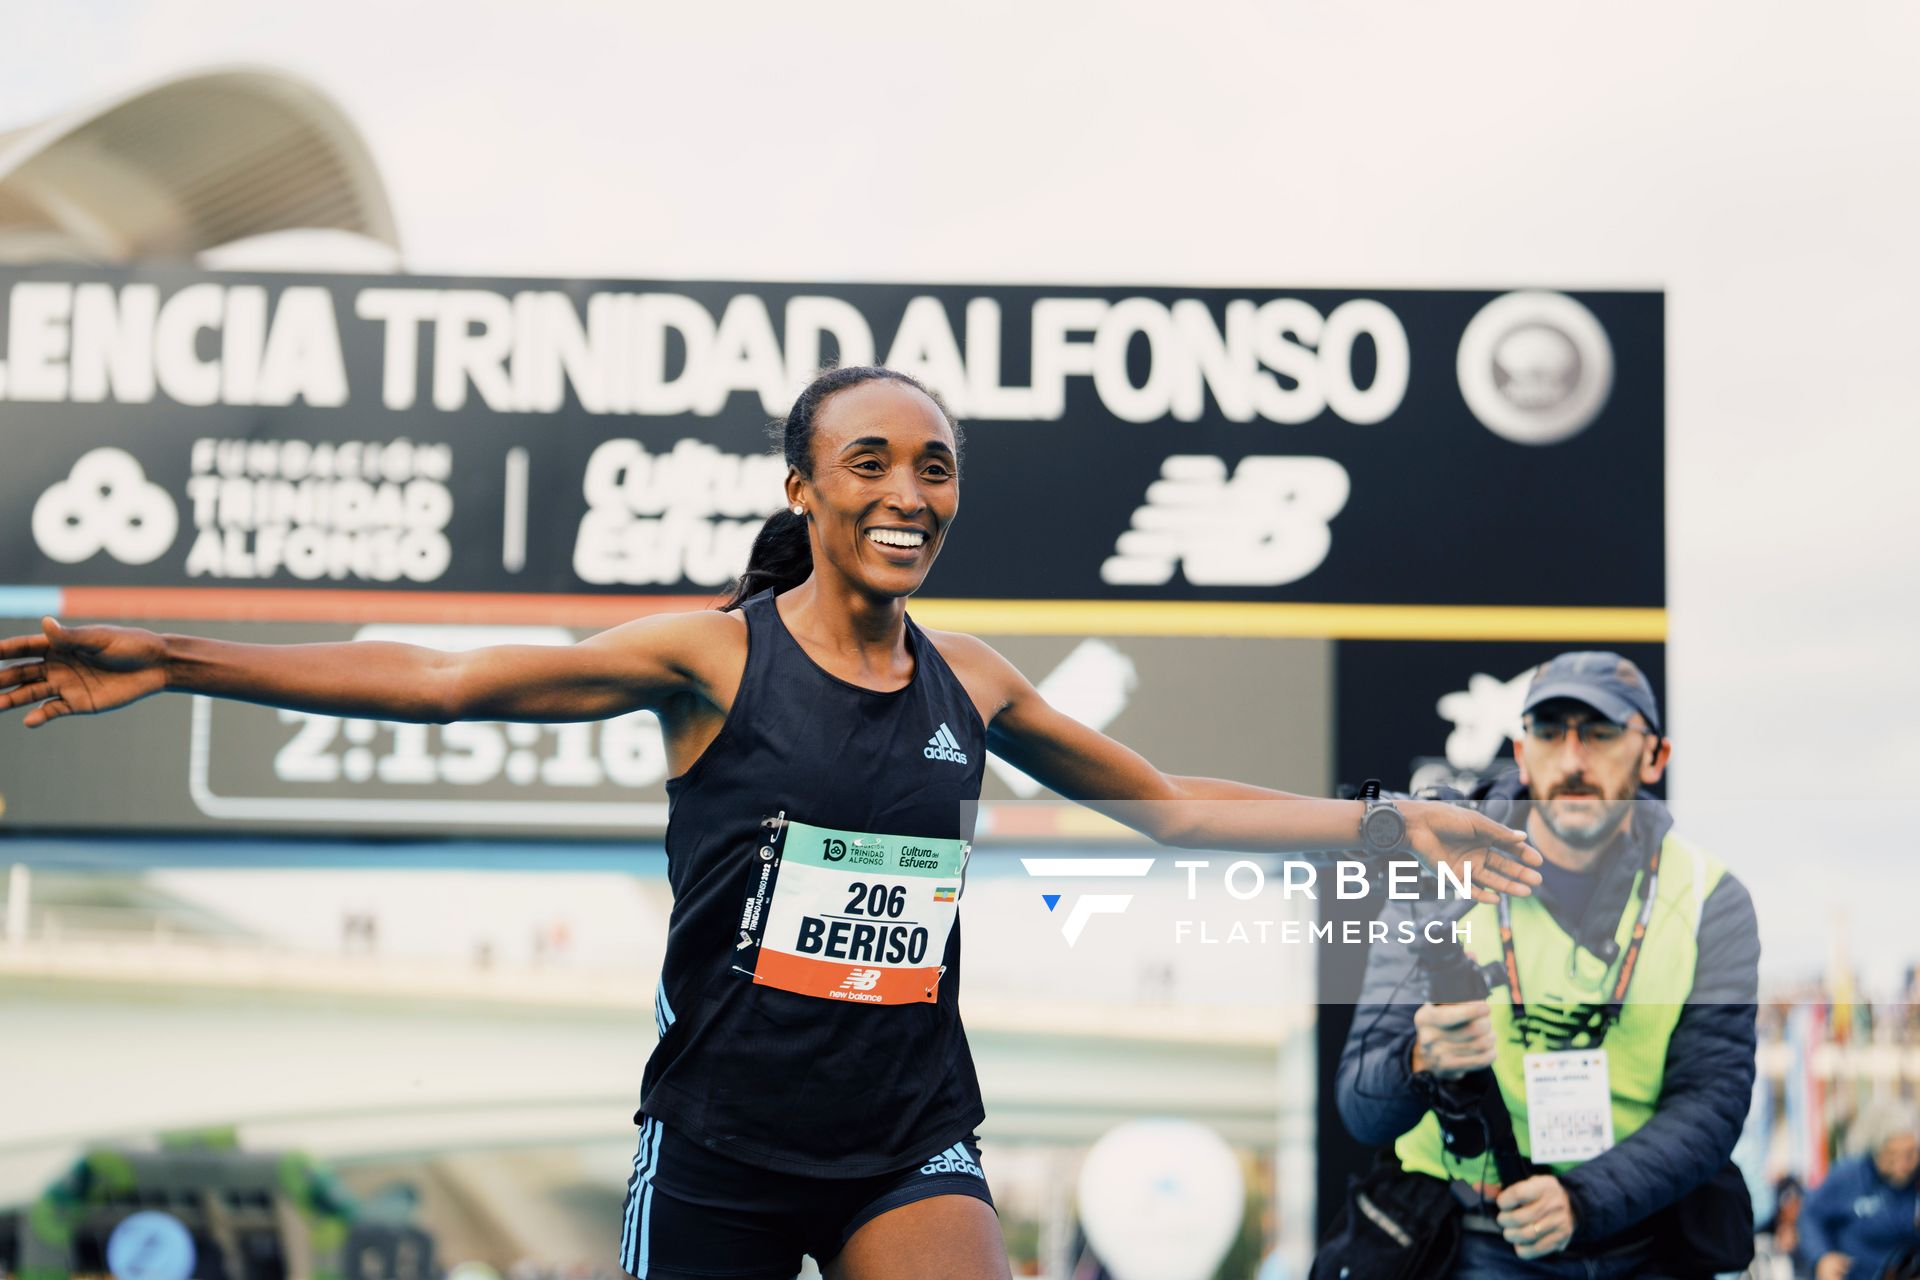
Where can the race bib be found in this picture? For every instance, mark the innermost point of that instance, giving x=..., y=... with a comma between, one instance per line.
x=1569, y=1105
x=850, y=915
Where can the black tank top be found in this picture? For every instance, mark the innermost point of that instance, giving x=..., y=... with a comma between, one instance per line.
x=788, y=1081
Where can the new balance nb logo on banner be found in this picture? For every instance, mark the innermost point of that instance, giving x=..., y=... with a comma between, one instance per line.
x=1266, y=526
x=860, y=980
x=944, y=746
x=953, y=1160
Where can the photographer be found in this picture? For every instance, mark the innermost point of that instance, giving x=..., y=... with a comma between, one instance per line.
x=1621, y=1038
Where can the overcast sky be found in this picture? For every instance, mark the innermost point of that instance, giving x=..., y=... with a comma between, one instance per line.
x=1756, y=161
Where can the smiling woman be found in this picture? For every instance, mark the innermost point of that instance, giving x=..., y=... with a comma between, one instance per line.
x=862, y=463
x=812, y=1090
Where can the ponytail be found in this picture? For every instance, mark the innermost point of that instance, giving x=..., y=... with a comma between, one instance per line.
x=782, y=558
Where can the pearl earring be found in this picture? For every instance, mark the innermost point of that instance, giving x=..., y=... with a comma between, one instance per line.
x=799, y=510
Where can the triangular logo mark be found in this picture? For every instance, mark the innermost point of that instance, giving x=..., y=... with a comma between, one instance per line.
x=1051, y=899
x=944, y=746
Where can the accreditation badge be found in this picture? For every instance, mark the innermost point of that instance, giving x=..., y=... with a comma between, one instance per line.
x=1569, y=1105
x=861, y=917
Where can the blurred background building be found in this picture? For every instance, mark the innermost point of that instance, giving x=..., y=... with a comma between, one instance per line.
x=200, y=162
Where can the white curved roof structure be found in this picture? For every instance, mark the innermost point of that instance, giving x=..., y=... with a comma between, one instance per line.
x=185, y=166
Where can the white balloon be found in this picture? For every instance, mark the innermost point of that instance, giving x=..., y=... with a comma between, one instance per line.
x=1161, y=1200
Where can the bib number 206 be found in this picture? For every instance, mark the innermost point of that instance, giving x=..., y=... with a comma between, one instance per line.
x=877, y=899
x=855, y=916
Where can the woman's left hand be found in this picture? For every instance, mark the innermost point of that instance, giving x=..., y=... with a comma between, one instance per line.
x=1491, y=858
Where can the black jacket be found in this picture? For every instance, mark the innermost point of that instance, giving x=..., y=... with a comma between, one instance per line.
x=1710, y=1064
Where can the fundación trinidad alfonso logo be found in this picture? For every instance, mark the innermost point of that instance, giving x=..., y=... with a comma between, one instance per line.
x=1088, y=905
x=106, y=503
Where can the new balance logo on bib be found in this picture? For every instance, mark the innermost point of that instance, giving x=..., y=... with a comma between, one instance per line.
x=944, y=746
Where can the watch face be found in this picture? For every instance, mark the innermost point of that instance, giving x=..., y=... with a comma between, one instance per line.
x=1383, y=828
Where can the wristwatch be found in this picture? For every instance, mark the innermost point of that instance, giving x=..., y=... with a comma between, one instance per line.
x=1383, y=828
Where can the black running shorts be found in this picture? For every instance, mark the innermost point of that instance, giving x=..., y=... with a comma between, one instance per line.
x=693, y=1214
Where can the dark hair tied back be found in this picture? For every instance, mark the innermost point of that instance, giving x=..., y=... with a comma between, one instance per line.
x=782, y=556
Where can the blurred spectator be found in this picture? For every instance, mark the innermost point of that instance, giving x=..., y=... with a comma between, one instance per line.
x=1779, y=1237
x=1866, y=1212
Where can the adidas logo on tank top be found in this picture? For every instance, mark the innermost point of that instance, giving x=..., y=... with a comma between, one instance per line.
x=944, y=746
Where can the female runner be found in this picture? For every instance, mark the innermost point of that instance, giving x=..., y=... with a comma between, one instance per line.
x=812, y=1090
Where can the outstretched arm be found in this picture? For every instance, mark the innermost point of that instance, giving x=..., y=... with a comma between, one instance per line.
x=91, y=669
x=1084, y=764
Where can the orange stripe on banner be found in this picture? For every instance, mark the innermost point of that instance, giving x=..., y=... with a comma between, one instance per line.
x=278, y=604
x=838, y=980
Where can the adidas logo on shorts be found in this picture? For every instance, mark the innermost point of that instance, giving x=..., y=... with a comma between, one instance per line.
x=944, y=746
x=953, y=1160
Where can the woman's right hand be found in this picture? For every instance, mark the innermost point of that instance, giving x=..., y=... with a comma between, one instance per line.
x=80, y=670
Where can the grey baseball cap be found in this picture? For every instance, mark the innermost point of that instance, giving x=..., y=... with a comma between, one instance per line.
x=1607, y=682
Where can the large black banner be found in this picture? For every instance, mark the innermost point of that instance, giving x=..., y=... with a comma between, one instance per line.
x=185, y=429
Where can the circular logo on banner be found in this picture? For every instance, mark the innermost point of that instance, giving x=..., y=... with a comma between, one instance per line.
x=106, y=503
x=1535, y=367
x=150, y=1246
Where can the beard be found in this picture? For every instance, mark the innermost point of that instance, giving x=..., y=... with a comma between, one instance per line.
x=1594, y=825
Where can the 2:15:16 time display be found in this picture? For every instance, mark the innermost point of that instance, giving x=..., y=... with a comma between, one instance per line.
x=626, y=751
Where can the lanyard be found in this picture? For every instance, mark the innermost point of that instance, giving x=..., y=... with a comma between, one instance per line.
x=1628, y=964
